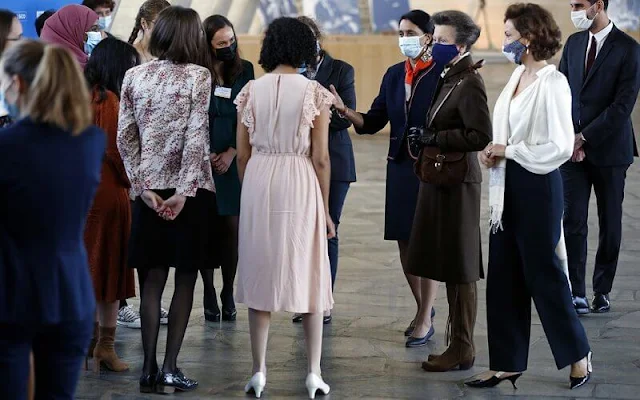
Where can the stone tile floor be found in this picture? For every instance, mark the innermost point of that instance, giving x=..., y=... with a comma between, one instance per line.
x=364, y=353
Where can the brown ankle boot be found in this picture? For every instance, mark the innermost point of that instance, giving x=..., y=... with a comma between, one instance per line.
x=94, y=339
x=92, y=345
x=104, y=353
x=461, y=351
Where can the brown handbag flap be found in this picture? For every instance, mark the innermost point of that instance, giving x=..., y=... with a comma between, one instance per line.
x=441, y=168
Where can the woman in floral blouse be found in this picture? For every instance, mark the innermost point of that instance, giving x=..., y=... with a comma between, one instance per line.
x=163, y=137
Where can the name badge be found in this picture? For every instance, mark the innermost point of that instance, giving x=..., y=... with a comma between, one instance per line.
x=222, y=92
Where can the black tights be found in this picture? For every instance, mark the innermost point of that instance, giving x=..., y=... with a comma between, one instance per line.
x=141, y=276
x=228, y=265
x=179, y=313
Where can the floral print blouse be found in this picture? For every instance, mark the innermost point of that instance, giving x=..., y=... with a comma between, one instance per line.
x=163, y=127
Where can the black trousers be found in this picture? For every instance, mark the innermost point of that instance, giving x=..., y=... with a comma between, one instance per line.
x=608, y=185
x=58, y=351
x=523, y=265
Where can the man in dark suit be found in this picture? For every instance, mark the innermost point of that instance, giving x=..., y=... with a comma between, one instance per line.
x=602, y=65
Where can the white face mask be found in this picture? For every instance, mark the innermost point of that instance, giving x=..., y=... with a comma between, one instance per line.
x=410, y=46
x=105, y=22
x=580, y=19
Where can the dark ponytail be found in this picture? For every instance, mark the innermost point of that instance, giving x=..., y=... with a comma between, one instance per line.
x=149, y=10
x=136, y=30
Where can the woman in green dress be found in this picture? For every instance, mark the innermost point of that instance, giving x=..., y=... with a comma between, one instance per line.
x=231, y=74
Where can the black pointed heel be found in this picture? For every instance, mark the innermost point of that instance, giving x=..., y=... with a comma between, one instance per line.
x=580, y=381
x=494, y=381
x=409, y=331
x=413, y=342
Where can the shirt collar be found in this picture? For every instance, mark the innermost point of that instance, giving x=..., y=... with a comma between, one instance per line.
x=448, y=67
x=600, y=36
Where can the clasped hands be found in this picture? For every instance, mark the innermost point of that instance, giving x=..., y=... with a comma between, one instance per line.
x=491, y=154
x=222, y=162
x=578, y=151
x=168, y=209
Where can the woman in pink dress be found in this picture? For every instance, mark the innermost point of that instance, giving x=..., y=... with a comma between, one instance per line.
x=283, y=163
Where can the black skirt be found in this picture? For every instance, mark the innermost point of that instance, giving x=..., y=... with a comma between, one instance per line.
x=189, y=242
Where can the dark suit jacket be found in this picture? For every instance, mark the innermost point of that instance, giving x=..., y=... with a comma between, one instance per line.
x=341, y=75
x=47, y=182
x=391, y=107
x=603, y=101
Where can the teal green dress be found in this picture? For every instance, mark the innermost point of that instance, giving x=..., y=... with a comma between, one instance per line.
x=222, y=129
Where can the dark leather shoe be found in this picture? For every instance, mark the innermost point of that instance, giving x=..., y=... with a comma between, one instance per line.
x=176, y=381
x=581, y=305
x=148, y=382
x=413, y=342
x=412, y=325
x=601, y=303
x=327, y=319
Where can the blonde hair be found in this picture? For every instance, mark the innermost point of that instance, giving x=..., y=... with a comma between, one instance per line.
x=56, y=90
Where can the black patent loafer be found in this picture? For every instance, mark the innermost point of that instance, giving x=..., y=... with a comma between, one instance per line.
x=229, y=315
x=148, y=382
x=212, y=315
x=176, y=381
x=581, y=305
x=601, y=303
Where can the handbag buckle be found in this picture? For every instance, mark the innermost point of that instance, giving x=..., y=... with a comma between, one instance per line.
x=439, y=161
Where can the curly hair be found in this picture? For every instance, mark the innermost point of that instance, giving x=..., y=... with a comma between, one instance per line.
x=288, y=42
x=537, y=25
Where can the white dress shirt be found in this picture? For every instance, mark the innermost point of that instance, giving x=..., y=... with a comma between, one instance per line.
x=540, y=126
x=601, y=37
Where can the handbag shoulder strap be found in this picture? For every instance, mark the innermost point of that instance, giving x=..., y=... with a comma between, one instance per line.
x=444, y=100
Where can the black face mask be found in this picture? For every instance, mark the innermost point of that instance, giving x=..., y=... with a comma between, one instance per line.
x=227, y=53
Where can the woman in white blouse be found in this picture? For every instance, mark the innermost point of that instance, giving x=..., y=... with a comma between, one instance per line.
x=533, y=136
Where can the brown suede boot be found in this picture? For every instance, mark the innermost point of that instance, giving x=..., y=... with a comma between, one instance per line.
x=461, y=351
x=94, y=339
x=104, y=353
x=92, y=345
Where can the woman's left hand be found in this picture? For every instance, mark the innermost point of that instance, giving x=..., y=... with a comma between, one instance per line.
x=497, y=151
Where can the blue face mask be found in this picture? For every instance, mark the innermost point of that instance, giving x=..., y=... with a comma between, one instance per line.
x=443, y=53
x=93, y=38
x=302, y=69
x=12, y=109
x=514, y=51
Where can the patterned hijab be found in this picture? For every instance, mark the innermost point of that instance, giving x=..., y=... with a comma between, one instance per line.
x=67, y=28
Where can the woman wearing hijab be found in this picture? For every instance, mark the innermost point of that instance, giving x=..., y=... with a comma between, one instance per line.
x=75, y=28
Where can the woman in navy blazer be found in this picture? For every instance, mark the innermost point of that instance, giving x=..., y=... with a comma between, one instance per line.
x=340, y=75
x=50, y=162
x=404, y=99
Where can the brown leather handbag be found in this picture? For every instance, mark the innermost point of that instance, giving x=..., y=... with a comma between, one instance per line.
x=441, y=168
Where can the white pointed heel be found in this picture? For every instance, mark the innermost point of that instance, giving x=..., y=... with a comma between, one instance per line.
x=315, y=383
x=256, y=384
